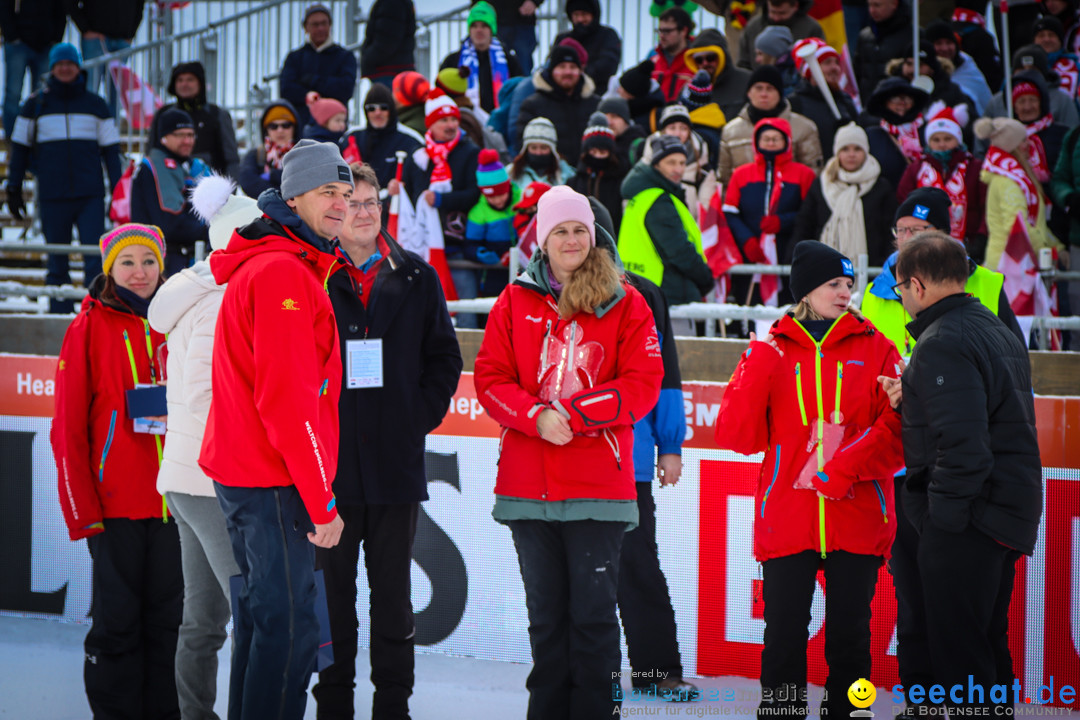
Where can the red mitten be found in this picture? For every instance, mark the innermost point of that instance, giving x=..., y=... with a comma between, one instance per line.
x=770, y=224
x=752, y=251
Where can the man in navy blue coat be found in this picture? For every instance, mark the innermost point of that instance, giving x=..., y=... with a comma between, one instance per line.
x=67, y=132
x=320, y=64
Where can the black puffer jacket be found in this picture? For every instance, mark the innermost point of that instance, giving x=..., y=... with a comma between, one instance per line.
x=568, y=112
x=215, y=134
x=38, y=24
x=111, y=18
x=389, y=40
x=879, y=43
x=878, y=208
x=970, y=444
x=601, y=42
x=808, y=101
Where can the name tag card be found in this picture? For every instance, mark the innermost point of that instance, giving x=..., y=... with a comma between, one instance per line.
x=365, y=363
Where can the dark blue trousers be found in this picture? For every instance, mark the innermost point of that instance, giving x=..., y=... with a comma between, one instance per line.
x=58, y=217
x=275, y=630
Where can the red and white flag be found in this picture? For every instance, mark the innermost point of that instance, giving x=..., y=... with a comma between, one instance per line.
x=721, y=251
x=1026, y=292
x=1028, y=296
x=140, y=102
x=420, y=230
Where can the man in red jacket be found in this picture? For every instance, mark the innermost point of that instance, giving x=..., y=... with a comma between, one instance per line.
x=272, y=434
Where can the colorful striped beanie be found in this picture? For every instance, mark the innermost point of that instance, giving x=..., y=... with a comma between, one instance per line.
x=490, y=174
x=129, y=234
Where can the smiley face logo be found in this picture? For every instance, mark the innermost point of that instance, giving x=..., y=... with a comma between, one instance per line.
x=862, y=693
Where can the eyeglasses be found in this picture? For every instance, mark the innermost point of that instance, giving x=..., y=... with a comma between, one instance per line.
x=371, y=207
x=898, y=231
x=667, y=30
x=901, y=285
x=372, y=107
x=706, y=59
x=286, y=125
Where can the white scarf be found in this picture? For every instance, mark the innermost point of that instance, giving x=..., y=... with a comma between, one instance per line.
x=845, y=229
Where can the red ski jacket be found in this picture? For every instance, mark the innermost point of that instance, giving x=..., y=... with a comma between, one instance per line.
x=277, y=369
x=772, y=404
x=616, y=347
x=104, y=468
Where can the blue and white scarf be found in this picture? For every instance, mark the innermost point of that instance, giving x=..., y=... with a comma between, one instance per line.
x=500, y=70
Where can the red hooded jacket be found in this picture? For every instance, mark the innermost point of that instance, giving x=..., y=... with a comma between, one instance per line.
x=277, y=369
x=104, y=468
x=772, y=404
x=621, y=350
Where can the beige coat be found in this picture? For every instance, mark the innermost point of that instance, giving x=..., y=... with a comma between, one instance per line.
x=737, y=142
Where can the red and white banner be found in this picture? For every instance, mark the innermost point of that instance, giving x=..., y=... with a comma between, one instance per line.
x=139, y=100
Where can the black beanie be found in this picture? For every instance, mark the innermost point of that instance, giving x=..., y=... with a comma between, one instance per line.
x=940, y=30
x=767, y=74
x=929, y=204
x=813, y=264
x=1051, y=23
x=638, y=80
x=664, y=145
x=172, y=120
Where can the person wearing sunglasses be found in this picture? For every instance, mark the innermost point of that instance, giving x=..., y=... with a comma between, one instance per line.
x=378, y=141
x=709, y=52
x=261, y=167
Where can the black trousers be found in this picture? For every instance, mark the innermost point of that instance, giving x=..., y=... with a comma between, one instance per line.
x=138, y=602
x=644, y=600
x=912, y=644
x=570, y=571
x=788, y=590
x=967, y=581
x=387, y=533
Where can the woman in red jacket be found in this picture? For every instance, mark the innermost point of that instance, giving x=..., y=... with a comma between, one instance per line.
x=107, y=470
x=569, y=361
x=808, y=396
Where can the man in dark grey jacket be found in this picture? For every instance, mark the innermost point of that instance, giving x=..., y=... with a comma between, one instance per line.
x=974, y=477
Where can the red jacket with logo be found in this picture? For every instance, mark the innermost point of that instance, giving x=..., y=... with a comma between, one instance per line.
x=618, y=349
x=104, y=468
x=772, y=404
x=672, y=76
x=277, y=369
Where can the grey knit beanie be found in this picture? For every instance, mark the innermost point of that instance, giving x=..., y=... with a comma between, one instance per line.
x=312, y=164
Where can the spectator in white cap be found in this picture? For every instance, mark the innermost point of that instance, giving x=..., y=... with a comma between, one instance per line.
x=539, y=159
x=564, y=488
x=272, y=432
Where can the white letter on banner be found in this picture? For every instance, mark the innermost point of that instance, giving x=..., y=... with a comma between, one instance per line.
x=740, y=625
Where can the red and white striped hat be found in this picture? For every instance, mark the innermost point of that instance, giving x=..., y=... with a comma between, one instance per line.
x=822, y=50
x=947, y=120
x=437, y=106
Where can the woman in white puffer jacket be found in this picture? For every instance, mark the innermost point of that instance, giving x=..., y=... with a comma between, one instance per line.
x=186, y=309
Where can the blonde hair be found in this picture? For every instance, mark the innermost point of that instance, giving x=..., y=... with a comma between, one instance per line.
x=803, y=312
x=594, y=282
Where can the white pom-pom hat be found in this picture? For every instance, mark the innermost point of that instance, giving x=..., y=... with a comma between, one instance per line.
x=214, y=202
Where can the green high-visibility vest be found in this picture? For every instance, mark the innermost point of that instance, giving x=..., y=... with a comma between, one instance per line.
x=636, y=248
x=890, y=318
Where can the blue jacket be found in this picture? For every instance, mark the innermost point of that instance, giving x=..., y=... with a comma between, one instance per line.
x=664, y=428
x=68, y=132
x=331, y=73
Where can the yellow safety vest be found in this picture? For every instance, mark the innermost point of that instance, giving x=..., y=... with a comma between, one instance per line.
x=636, y=248
x=890, y=318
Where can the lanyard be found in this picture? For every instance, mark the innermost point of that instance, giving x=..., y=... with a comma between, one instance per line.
x=153, y=381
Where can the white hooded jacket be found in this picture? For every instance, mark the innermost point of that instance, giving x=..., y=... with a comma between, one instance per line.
x=186, y=309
